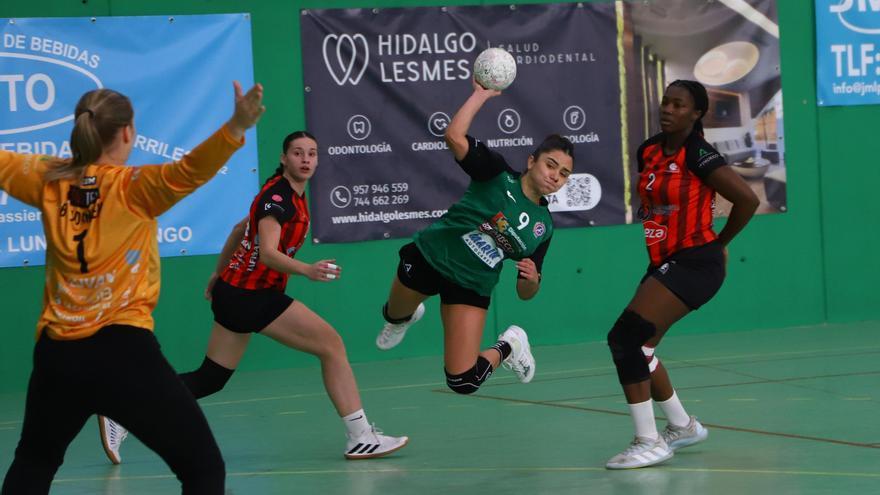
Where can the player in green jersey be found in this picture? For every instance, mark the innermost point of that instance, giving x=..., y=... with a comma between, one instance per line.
x=503, y=214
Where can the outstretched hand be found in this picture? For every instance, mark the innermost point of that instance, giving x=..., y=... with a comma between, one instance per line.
x=248, y=109
x=323, y=271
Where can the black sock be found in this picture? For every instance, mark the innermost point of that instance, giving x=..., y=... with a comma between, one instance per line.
x=394, y=321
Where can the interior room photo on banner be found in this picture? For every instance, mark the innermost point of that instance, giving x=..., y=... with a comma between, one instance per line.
x=732, y=48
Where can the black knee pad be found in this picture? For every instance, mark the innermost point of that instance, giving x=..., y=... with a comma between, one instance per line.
x=209, y=379
x=625, y=340
x=470, y=381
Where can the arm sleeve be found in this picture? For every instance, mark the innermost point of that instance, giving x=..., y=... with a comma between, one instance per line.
x=481, y=163
x=702, y=159
x=275, y=204
x=152, y=189
x=538, y=255
x=21, y=176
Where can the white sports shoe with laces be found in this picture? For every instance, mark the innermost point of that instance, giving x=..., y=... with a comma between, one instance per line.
x=520, y=360
x=112, y=436
x=393, y=333
x=372, y=443
x=642, y=452
x=678, y=437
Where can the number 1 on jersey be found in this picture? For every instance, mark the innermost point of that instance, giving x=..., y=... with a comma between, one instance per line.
x=81, y=251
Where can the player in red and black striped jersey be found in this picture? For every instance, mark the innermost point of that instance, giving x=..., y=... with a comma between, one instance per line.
x=247, y=296
x=679, y=174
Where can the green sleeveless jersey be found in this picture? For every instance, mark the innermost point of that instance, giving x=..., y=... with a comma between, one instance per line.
x=493, y=221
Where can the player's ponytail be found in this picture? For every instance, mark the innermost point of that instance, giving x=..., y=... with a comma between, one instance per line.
x=98, y=116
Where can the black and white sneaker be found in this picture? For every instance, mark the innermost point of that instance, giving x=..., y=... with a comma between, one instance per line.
x=372, y=443
x=112, y=436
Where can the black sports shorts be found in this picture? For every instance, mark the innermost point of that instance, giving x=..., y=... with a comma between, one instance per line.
x=246, y=310
x=693, y=274
x=415, y=272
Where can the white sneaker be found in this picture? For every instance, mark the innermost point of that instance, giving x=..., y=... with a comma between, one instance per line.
x=112, y=436
x=393, y=333
x=372, y=443
x=678, y=437
x=520, y=360
x=642, y=452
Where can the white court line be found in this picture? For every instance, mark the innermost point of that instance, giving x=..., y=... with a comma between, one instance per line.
x=821, y=352
x=292, y=412
x=560, y=469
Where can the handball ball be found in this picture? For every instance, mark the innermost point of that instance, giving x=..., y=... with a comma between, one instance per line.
x=494, y=68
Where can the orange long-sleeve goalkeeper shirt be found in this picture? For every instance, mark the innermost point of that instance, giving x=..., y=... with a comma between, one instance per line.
x=102, y=255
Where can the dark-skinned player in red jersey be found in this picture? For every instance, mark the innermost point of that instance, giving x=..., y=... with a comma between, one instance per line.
x=679, y=174
x=247, y=296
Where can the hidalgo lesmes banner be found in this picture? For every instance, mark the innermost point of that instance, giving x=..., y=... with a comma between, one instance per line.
x=178, y=72
x=382, y=84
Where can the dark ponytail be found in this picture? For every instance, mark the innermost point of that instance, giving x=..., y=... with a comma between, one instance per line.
x=701, y=99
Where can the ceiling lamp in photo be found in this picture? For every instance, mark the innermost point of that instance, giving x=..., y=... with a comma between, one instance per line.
x=726, y=63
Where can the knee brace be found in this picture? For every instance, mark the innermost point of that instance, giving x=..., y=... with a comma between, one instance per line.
x=625, y=340
x=209, y=379
x=470, y=381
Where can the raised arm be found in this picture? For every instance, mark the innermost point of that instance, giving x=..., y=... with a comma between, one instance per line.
x=21, y=176
x=153, y=189
x=456, y=132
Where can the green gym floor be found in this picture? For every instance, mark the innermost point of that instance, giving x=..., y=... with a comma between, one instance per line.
x=790, y=411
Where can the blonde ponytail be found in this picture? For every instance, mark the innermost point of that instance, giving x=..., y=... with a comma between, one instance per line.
x=98, y=117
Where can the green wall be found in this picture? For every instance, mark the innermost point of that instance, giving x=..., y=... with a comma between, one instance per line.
x=810, y=265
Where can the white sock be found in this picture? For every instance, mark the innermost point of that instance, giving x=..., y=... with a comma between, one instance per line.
x=643, y=419
x=356, y=423
x=674, y=411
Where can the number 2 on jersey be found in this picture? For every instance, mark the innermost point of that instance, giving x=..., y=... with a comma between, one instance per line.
x=651, y=179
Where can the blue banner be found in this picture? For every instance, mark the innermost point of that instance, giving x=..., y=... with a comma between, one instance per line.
x=848, y=52
x=178, y=72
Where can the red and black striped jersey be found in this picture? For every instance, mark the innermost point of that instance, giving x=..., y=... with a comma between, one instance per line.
x=677, y=204
x=278, y=200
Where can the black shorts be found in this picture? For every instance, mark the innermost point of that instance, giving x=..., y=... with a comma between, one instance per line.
x=416, y=273
x=246, y=310
x=693, y=274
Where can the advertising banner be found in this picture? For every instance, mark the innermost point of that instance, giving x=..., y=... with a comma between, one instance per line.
x=382, y=85
x=848, y=52
x=178, y=73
